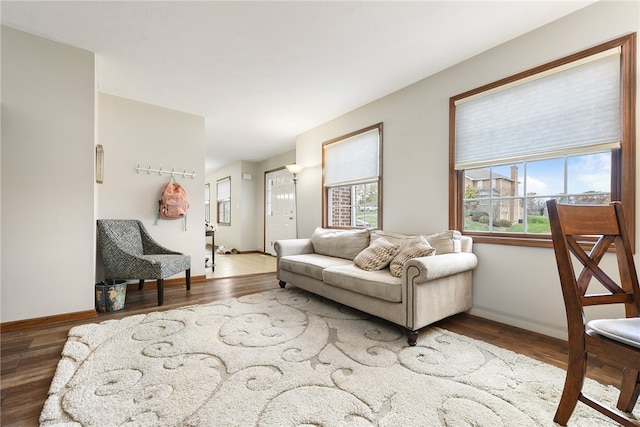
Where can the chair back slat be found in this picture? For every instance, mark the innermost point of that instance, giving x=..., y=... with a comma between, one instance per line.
x=600, y=299
x=593, y=222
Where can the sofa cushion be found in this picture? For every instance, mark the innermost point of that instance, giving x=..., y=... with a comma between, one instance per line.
x=340, y=243
x=409, y=252
x=397, y=238
x=377, y=283
x=310, y=265
x=377, y=255
x=446, y=242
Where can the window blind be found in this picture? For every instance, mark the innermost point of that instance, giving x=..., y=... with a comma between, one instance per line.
x=352, y=160
x=571, y=109
x=224, y=189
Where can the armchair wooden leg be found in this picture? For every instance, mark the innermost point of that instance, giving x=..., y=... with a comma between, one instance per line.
x=141, y=284
x=576, y=371
x=188, y=278
x=629, y=390
x=160, y=291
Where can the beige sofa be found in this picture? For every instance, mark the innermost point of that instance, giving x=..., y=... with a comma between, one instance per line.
x=348, y=266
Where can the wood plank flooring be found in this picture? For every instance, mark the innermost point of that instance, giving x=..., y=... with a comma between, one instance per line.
x=29, y=357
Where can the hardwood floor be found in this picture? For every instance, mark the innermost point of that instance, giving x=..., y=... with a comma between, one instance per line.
x=246, y=263
x=29, y=357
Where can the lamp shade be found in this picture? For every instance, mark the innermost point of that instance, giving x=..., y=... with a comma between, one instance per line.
x=294, y=168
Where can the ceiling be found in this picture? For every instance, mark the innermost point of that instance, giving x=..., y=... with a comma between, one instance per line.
x=263, y=72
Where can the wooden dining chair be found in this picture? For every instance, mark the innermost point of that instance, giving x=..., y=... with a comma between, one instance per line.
x=615, y=342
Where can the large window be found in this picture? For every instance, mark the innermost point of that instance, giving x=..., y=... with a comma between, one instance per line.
x=352, y=180
x=564, y=130
x=223, y=191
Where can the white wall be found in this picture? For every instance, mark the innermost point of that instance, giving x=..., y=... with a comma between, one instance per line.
x=135, y=133
x=48, y=227
x=248, y=205
x=515, y=285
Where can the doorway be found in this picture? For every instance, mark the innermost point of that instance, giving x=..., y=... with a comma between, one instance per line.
x=280, y=208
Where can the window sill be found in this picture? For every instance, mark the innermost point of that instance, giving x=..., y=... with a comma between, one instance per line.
x=531, y=240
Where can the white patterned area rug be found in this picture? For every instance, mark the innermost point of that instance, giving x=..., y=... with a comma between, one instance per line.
x=289, y=358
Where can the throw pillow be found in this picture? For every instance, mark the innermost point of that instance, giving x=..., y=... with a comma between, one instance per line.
x=339, y=243
x=446, y=242
x=397, y=238
x=377, y=256
x=409, y=252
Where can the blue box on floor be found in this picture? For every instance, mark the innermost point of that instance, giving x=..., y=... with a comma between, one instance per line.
x=110, y=295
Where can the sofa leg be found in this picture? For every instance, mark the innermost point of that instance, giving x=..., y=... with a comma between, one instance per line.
x=188, y=278
x=282, y=284
x=412, y=337
x=160, y=291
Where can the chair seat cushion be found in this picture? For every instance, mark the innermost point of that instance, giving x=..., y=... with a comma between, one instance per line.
x=161, y=266
x=625, y=330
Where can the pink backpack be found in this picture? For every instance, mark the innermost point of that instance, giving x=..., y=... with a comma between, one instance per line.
x=173, y=202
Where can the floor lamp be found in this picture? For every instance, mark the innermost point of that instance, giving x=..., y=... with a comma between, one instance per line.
x=294, y=170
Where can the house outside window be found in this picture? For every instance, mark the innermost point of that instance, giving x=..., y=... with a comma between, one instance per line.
x=564, y=130
x=223, y=201
x=352, y=180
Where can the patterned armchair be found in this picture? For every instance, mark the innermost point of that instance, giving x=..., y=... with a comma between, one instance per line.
x=129, y=252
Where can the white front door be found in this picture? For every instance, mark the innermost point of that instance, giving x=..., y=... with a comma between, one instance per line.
x=280, y=208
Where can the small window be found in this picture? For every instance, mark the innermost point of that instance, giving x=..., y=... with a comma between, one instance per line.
x=223, y=189
x=352, y=180
x=563, y=130
x=207, y=203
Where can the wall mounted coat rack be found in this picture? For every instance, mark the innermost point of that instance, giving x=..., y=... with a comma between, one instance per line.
x=161, y=171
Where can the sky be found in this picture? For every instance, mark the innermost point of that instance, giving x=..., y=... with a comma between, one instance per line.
x=546, y=177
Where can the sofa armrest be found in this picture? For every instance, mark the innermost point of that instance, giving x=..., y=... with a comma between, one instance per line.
x=466, y=244
x=428, y=268
x=293, y=247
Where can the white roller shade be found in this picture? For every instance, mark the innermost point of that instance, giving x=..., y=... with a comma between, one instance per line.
x=570, y=109
x=224, y=189
x=352, y=160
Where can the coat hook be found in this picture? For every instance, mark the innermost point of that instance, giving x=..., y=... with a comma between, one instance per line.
x=149, y=170
x=160, y=170
x=172, y=170
x=184, y=173
x=193, y=174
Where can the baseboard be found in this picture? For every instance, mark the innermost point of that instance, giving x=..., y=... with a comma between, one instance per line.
x=180, y=281
x=241, y=253
x=520, y=322
x=47, y=320
x=84, y=315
